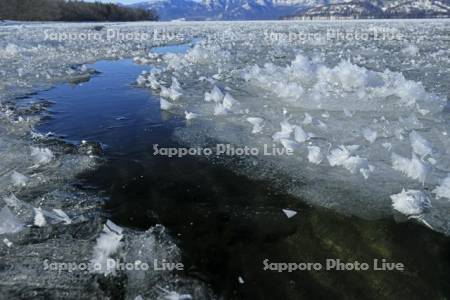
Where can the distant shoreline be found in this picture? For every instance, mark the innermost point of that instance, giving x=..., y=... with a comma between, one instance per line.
x=71, y=11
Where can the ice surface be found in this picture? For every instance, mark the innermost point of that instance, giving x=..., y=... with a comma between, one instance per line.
x=166, y=105
x=370, y=135
x=300, y=135
x=39, y=219
x=410, y=50
x=173, y=92
x=8, y=222
x=410, y=202
x=215, y=95
x=41, y=156
x=315, y=155
x=190, y=115
x=443, y=190
x=289, y=213
x=18, y=179
x=7, y=242
x=257, y=124
x=63, y=216
x=413, y=168
x=364, y=119
x=107, y=245
x=175, y=296
x=290, y=145
x=229, y=101
x=419, y=145
x=285, y=132
x=343, y=156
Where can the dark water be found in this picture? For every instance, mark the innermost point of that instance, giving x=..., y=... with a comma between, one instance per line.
x=226, y=224
x=108, y=109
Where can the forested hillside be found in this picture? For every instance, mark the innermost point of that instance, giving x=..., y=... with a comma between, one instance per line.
x=63, y=10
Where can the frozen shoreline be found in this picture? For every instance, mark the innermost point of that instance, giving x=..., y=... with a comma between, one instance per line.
x=43, y=215
x=299, y=72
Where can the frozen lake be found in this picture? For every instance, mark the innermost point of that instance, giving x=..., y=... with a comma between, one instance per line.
x=363, y=109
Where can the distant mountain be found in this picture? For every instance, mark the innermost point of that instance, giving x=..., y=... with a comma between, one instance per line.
x=377, y=9
x=418, y=9
x=347, y=10
x=296, y=9
x=225, y=9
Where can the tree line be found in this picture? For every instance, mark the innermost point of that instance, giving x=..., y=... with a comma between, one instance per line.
x=71, y=11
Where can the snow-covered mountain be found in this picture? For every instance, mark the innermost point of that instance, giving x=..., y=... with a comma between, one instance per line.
x=378, y=9
x=226, y=9
x=421, y=8
x=295, y=9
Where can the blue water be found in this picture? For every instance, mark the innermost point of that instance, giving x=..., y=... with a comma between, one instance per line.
x=108, y=109
x=177, y=49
